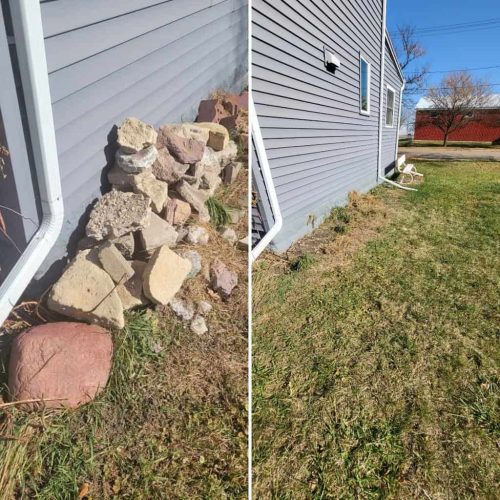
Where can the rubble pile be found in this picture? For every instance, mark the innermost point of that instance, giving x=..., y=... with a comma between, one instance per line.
x=132, y=253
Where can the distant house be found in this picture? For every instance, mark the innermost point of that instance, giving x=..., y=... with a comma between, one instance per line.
x=483, y=124
x=106, y=60
x=327, y=90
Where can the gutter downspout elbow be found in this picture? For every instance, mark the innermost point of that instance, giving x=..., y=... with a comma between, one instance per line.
x=380, y=177
x=30, y=46
x=268, y=182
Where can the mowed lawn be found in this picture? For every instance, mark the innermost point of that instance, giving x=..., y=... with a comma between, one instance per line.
x=376, y=360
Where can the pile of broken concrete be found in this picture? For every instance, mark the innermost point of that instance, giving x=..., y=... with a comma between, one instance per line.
x=160, y=180
x=139, y=249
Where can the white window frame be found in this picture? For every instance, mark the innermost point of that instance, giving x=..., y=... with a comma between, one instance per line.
x=389, y=88
x=362, y=59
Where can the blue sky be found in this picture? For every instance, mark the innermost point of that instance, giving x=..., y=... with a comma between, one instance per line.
x=469, y=49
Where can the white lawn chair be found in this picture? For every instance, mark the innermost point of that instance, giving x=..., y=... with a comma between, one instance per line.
x=407, y=170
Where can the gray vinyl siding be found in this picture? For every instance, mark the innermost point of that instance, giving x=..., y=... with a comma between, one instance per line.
x=318, y=144
x=389, y=135
x=151, y=59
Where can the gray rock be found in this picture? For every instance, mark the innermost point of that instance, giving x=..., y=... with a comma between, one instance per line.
x=181, y=233
x=227, y=155
x=197, y=235
x=114, y=263
x=243, y=244
x=204, y=307
x=195, y=198
x=135, y=135
x=210, y=181
x=195, y=259
x=137, y=162
x=158, y=233
x=130, y=292
x=118, y=213
x=148, y=185
x=231, y=172
x=229, y=234
x=199, y=326
x=125, y=245
x=120, y=179
x=222, y=280
x=182, y=308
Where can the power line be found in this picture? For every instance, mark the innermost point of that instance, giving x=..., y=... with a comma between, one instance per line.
x=458, y=25
x=446, y=29
x=464, y=69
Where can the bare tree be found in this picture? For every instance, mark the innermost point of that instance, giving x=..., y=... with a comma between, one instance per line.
x=409, y=51
x=455, y=99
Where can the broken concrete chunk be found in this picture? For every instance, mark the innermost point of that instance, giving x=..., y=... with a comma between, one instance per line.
x=137, y=162
x=120, y=179
x=135, y=135
x=204, y=307
x=184, y=150
x=114, y=263
x=125, y=245
x=218, y=138
x=222, y=280
x=195, y=259
x=177, y=211
x=210, y=181
x=118, y=213
x=130, y=292
x=164, y=275
x=199, y=326
x=148, y=185
x=243, y=244
x=87, y=293
x=231, y=172
x=227, y=155
x=197, y=235
x=158, y=233
x=166, y=168
x=229, y=234
x=59, y=364
x=182, y=308
x=189, y=131
x=195, y=198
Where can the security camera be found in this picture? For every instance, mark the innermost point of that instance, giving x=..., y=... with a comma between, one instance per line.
x=332, y=62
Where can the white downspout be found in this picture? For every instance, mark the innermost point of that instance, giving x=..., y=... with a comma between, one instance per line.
x=399, y=120
x=27, y=21
x=381, y=104
x=268, y=182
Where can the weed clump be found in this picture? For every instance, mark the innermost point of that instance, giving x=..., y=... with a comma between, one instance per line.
x=219, y=213
x=303, y=263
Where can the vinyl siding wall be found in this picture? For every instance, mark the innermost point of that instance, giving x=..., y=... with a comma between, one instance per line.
x=151, y=59
x=318, y=144
x=390, y=135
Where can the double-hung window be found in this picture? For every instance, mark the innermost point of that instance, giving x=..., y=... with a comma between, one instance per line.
x=389, y=107
x=364, y=85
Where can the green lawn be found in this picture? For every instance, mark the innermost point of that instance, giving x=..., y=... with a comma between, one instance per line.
x=376, y=364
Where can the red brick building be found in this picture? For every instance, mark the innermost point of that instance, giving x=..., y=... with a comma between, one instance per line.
x=482, y=126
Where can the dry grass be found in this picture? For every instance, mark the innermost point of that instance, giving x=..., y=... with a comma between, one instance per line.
x=172, y=422
x=376, y=368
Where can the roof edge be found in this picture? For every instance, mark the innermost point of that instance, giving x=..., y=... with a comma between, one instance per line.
x=393, y=54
